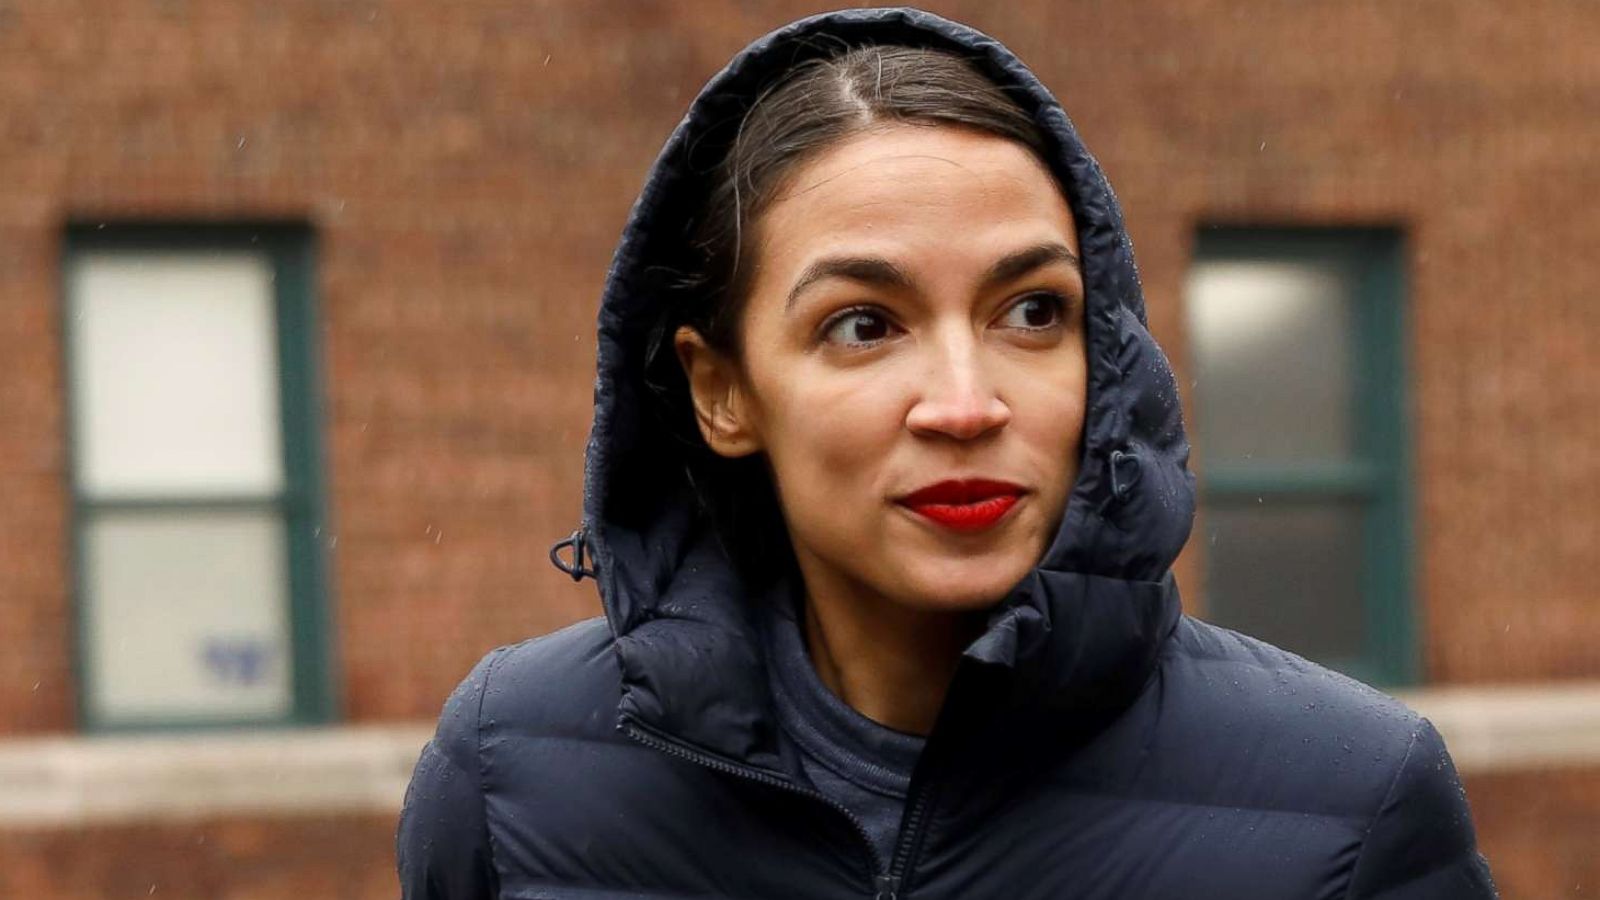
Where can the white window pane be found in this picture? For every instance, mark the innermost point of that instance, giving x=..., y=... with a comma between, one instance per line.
x=187, y=614
x=1274, y=376
x=175, y=374
x=1289, y=573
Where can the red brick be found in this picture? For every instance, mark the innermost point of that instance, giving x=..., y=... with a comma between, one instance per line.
x=467, y=168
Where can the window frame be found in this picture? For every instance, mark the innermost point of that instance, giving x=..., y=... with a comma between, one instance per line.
x=289, y=249
x=1381, y=473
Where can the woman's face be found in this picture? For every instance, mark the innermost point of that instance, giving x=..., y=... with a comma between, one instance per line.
x=916, y=318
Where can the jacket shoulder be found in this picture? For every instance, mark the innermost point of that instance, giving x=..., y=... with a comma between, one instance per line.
x=1261, y=731
x=443, y=846
x=1311, y=739
x=563, y=682
x=544, y=683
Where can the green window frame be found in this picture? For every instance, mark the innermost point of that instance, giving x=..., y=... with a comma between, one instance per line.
x=288, y=248
x=1377, y=476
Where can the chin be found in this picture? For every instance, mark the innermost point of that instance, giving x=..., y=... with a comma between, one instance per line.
x=981, y=587
x=936, y=576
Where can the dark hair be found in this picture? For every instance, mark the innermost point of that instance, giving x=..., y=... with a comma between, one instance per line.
x=811, y=107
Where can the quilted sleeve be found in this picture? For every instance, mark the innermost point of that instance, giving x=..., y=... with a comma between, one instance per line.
x=1421, y=844
x=442, y=846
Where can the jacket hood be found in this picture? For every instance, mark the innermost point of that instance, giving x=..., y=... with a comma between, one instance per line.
x=1081, y=630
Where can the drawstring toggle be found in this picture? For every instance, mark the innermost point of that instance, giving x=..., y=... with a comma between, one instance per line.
x=576, y=568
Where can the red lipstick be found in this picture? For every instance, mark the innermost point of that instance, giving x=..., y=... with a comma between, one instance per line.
x=971, y=504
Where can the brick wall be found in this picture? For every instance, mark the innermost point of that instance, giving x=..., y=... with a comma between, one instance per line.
x=467, y=168
x=285, y=858
x=1538, y=830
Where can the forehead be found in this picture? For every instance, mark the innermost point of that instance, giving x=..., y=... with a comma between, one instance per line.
x=933, y=188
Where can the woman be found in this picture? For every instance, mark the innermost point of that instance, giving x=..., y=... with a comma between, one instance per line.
x=884, y=485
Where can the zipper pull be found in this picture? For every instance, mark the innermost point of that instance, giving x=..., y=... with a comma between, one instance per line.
x=888, y=888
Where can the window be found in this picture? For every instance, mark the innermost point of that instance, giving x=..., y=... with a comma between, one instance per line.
x=197, y=506
x=1296, y=339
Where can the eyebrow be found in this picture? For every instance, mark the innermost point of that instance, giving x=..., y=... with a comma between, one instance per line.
x=876, y=270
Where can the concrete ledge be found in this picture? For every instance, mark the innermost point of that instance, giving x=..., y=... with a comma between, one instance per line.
x=1508, y=727
x=72, y=781
x=75, y=781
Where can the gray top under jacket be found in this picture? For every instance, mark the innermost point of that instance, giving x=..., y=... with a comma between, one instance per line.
x=850, y=759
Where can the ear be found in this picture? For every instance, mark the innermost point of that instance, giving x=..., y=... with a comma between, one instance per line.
x=722, y=406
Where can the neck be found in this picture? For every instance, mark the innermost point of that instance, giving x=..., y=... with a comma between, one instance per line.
x=890, y=663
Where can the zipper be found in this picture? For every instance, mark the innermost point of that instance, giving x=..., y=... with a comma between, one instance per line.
x=885, y=886
x=907, y=845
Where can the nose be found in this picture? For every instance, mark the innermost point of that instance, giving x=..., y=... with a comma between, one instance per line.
x=957, y=398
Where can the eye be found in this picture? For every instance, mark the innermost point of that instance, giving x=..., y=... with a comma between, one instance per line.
x=858, y=326
x=1036, y=312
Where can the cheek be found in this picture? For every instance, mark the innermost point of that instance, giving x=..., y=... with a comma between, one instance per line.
x=1048, y=415
x=823, y=431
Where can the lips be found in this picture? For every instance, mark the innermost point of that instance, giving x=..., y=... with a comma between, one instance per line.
x=970, y=504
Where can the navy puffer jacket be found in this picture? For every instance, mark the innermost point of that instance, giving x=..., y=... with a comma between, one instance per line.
x=1096, y=742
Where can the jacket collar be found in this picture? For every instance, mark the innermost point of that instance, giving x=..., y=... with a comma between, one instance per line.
x=1064, y=651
